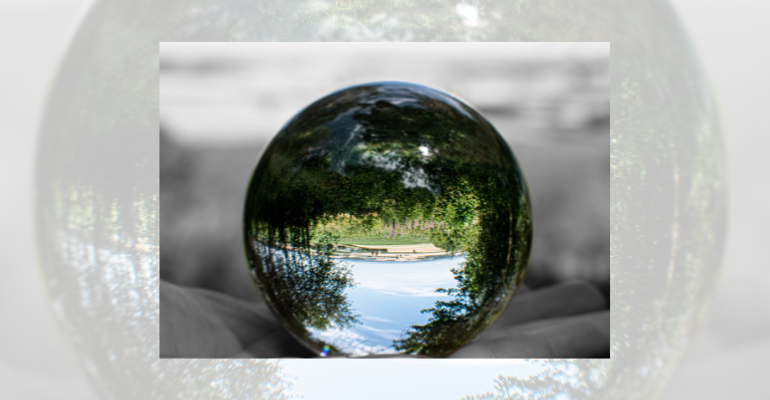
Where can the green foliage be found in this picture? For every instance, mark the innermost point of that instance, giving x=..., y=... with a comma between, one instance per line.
x=306, y=287
x=496, y=241
x=371, y=229
x=458, y=212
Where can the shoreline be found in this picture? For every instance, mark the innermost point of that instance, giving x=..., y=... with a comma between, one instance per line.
x=394, y=253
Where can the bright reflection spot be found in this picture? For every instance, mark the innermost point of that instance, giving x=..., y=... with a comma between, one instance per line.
x=468, y=13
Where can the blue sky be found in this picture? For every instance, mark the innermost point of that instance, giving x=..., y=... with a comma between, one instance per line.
x=388, y=298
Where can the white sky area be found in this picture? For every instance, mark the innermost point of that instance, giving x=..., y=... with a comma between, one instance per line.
x=229, y=92
x=399, y=379
x=406, y=278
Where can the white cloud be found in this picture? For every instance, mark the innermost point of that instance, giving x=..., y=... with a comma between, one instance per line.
x=350, y=342
x=419, y=279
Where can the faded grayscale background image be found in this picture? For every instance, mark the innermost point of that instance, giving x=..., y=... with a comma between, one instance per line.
x=220, y=103
x=48, y=351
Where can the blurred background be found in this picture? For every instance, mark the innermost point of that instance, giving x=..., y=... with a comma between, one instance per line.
x=221, y=102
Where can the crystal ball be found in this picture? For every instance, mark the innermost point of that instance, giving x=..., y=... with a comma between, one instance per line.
x=387, y=218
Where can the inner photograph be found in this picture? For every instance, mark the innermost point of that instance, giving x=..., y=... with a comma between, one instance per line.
x=384, y=200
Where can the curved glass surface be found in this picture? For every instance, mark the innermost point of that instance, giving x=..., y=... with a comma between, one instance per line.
x=387, y=218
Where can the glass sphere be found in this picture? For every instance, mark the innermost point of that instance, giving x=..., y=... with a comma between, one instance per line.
x=387, y=218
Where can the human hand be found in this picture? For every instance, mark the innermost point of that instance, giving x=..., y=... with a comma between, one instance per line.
x=568, y=320
x=200, y=323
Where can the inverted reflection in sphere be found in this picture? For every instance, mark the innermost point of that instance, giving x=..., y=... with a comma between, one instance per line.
x=387, y=218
